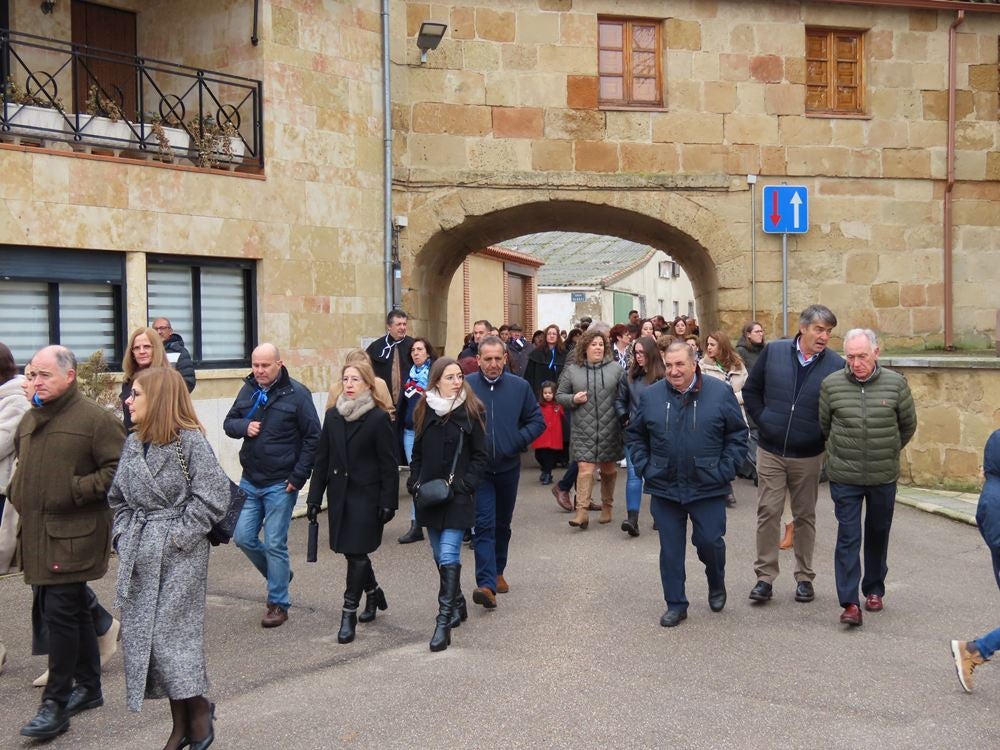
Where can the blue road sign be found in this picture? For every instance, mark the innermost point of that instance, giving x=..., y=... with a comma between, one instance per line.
x=786, y=209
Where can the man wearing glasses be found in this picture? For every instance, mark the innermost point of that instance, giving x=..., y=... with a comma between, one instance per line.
x=390, y=356
x=177, y=353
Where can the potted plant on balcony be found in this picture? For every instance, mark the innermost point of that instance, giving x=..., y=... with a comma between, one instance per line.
x=104, y=126
x=214, y=144
x=31, y=116
x=167, y=136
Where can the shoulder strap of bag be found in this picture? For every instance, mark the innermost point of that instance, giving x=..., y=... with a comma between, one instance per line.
x=183, y=462
x=458, y=451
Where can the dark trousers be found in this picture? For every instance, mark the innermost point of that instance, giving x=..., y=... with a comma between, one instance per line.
x=39, y=632
x=569, y=478
x=73, y=653
x=847, y=499
x=708, y=522
x=495, y=498
x=546, y=458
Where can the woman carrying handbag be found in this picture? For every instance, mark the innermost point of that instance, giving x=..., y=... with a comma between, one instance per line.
x=168, y=491
x=449, y=456
x=357, y=468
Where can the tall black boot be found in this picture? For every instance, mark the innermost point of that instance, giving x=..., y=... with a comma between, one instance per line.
x=447, y=593
x=631, y=523
x=414, y=534
x=460, y=612
x=357, y=570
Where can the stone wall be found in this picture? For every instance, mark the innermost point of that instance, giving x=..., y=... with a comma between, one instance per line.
x=504, y=114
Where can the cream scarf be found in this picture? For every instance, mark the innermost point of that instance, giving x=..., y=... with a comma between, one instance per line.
x=352, y=409
x=443, y=406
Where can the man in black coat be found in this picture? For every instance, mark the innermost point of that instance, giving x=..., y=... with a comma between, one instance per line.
x=781, y=396
x=390, y=354
x=277, y=421
x=177, y=353
x=686, y=441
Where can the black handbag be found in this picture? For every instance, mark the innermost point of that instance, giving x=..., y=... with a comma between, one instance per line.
x=438, y=491
x=221, y=531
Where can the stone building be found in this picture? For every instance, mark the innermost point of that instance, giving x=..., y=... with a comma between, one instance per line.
x=634, y=118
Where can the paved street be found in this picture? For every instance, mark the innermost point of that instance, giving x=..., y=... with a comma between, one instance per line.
x=574, y=656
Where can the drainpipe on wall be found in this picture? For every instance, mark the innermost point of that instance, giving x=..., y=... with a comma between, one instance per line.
x=949, y=323
x=387, y=177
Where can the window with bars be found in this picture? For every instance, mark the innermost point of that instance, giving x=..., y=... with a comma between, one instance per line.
x=210, y=303
x=835, y=72
x=628, y=62
x=68, y=297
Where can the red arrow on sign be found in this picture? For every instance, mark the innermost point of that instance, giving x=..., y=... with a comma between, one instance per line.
x=775, y=216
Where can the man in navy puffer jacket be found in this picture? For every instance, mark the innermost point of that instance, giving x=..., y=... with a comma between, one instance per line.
x=782, y=397
x=513, y=421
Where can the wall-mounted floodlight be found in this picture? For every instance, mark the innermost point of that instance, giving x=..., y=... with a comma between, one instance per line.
x=430, y=36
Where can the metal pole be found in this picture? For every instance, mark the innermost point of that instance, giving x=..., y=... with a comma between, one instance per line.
x=753, y=251
x=387, y=172
x=784, y=285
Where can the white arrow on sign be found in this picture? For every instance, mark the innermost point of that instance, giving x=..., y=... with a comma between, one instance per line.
x=796, y=201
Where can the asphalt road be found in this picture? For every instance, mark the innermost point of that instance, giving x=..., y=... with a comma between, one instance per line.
x=574, y=656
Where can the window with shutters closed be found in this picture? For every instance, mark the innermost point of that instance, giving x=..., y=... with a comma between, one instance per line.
x=628, y=62
x=835, y=72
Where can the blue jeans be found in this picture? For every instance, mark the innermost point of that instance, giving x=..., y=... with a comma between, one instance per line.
x=270, y=507
x=708, y=521
x=879, y=500
x=447, y=545
x=633, y=486
x=569, y=478
x=408, y=437
x=495, y=498
x=990, y=642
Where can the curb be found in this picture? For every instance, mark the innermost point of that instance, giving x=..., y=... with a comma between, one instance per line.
x=951, y=507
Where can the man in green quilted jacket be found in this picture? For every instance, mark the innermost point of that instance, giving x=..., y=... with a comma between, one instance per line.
x=867, y=415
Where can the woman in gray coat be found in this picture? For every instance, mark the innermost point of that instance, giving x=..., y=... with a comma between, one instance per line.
x=588, y=388
x=167, y=493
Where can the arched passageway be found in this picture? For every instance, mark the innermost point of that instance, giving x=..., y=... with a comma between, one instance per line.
x=690, y=233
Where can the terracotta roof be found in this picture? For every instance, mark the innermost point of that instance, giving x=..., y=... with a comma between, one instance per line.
x=506, y=253
x=582, y=260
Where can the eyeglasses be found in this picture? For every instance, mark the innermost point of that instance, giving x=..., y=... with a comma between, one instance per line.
x=161, y=328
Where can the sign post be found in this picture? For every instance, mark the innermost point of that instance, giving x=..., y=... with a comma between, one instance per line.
x=786, y=211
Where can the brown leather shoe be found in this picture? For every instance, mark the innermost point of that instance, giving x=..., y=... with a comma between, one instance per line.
x=274, y=617
x=873, y=603
x=595, y=506
x=788, y=541
x=502, y=587
x=851, y=615
x=485, y=597
x=562, y=497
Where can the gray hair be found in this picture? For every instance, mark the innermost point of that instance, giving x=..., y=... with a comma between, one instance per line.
x=599, y=325
x=681, y=345
x=493, y=341
x=856, y=333
x=65, y=359
x=820, y=313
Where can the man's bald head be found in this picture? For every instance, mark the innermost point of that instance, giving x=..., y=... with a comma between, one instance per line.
x=266, y=363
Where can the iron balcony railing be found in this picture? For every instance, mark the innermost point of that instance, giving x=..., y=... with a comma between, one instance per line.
x=127, y=105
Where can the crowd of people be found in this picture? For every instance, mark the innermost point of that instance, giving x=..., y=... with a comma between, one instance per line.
x=683, y=412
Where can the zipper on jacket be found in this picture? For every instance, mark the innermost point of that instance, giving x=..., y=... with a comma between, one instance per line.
x=694, y=419
x=864, y=437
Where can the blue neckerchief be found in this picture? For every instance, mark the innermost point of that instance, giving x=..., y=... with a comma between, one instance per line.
x=552, y=361
x=36, y=401
x=259, y=400
x=419, y=373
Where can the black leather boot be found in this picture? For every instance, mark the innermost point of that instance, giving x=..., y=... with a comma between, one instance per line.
x=374, y=600
x=414, y=534
x=631, y=523
x=447, y=594
x=357, y=570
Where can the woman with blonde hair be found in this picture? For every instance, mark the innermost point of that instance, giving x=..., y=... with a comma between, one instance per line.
x=144, y=350
x=168, y=492
x=356, y=467
x=450, y=443
x=380, y=388
x=588, y=389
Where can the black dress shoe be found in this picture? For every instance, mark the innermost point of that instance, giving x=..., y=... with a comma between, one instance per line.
x=804, y=591
x=672, y=617
x=413, y=534
x=50, y=721
x=205, y=743
x=761, y=592
x=717, y=599
x=82, y=699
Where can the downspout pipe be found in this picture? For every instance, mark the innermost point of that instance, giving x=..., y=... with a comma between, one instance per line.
x=387, y=147
x=949, y=322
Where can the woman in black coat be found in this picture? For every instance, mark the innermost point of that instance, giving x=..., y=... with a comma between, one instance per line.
x=546, y=362
x=448, y=413
x=357, y=469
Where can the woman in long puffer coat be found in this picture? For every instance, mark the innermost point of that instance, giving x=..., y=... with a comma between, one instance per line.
x=588, y=388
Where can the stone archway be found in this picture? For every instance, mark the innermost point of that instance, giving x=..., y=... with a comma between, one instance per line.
x=446, y=226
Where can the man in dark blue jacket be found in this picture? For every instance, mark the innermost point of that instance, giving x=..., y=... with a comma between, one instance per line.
x=781, y=396
x=513, y=421
x=686, y=441
x=276, y=418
